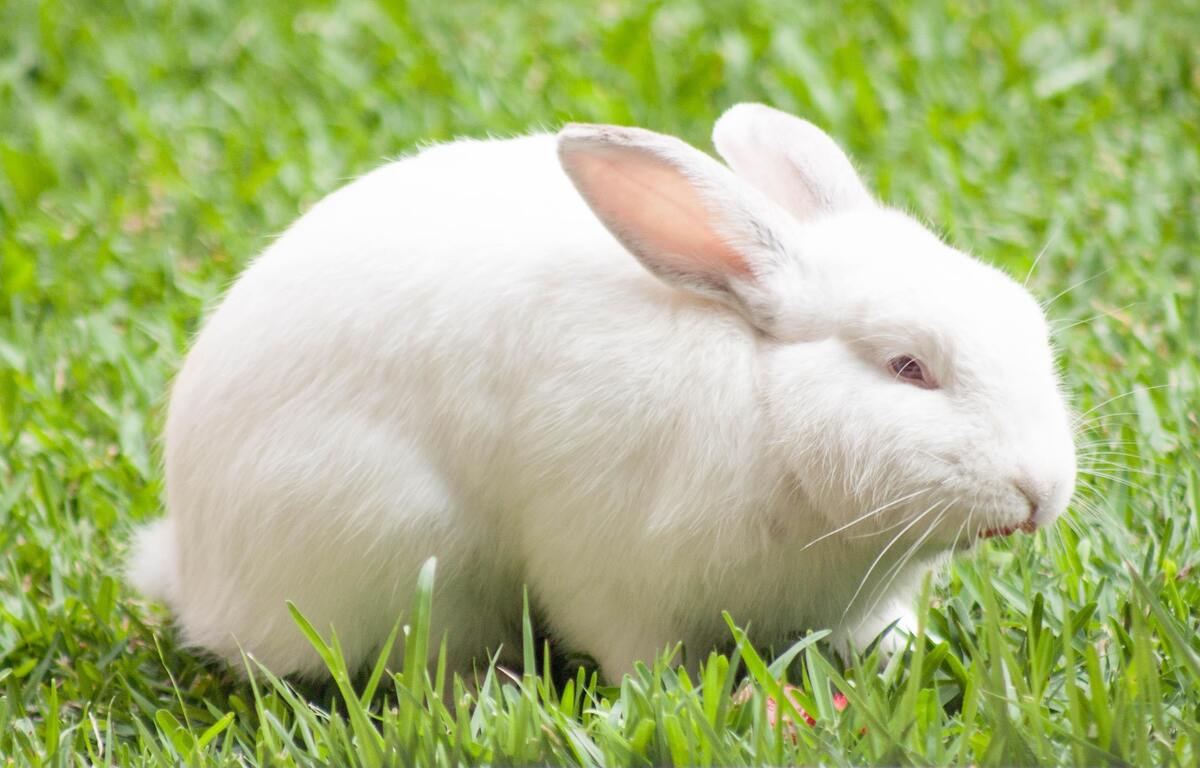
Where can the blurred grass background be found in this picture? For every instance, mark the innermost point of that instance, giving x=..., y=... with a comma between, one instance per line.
x=149, y=149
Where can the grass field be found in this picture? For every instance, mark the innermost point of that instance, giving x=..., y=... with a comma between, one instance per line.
x=149, y=149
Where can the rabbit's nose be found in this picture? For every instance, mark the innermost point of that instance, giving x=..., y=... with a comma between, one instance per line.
x=1043, y=492
x=1029, y=491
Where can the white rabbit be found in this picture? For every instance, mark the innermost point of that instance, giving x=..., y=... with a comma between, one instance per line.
x=606, y=366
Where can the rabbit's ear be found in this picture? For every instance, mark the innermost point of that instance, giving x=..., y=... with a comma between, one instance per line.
x=684, y=215
x=789, y=160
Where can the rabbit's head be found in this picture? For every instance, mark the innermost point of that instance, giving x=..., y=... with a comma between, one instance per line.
x=906, y=385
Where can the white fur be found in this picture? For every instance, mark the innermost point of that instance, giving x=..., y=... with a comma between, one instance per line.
x=453, y=356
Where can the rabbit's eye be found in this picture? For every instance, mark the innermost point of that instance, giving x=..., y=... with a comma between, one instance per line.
x=912, y=370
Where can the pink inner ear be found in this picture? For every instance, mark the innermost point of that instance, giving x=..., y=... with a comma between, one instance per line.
x=655, y=210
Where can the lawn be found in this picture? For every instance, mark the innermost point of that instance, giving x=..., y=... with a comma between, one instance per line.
x=149, y=149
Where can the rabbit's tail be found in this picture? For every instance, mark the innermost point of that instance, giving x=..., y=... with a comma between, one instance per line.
x=152, y=565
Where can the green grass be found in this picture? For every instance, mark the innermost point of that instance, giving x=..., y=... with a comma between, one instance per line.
x=149, y=149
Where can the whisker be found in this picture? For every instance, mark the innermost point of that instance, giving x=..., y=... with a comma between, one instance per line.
x=882, y=531
x=1046, y=305
x=879, y=557
x=1041, y=253
x=1123, y=394
x=857, y=520
x=1086, y=506
x=1097, y=419
x=1106, y=440
x=1114, y=478
x=1108, y=446
x=890, y=576
x=1060, y=329
x=1116, y=465
x=1103, y=426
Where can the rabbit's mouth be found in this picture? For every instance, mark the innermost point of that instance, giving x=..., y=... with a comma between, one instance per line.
x=1029, y=526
